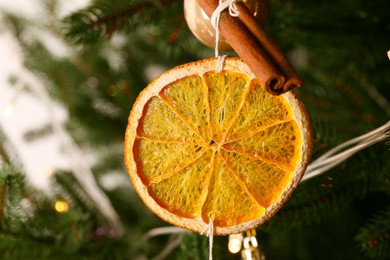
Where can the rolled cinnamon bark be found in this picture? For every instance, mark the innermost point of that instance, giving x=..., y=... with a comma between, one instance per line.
x=254, y=46
x=246, y=46
x=271, y=48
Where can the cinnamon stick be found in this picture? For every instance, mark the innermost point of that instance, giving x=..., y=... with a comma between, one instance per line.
x=246, y=46
x=292, y=78
x=252, y=44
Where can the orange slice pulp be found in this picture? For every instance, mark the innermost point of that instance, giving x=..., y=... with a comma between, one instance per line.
x=203, y=146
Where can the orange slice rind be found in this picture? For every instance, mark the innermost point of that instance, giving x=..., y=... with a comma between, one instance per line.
x=203, y=146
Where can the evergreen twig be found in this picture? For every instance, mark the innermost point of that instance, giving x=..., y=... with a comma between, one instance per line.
x=374, y=237
x=102, y=19
x=341, y=55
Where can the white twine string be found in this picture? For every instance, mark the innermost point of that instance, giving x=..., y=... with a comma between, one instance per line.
x=345, y=150
x=233, y=11
x=173, y=242
x=220, y=62
x=209, y=231
x=323, y=163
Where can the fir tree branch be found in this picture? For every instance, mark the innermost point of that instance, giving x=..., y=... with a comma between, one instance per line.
x=8, y=155
x=73, y=189
x=25, y=235
x=374, y=237
x=12, y=184
x=110, y=22
x=102, y=19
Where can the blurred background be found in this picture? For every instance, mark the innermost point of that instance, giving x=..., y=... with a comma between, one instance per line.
x=70, y=71
x=21, y=104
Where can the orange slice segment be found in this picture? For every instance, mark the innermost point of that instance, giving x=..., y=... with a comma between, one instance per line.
x=226, y=187
x=259, y=110
x=191, y=105
x=226, y=93
x=204, y=146
x=277, y=144
x=266, y=187
x=169, y=194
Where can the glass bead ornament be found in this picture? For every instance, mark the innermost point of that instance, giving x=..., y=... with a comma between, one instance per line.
x=248, y=245
x=235, y=243
x=201, y=27
x=251, y=253
x=251, y=249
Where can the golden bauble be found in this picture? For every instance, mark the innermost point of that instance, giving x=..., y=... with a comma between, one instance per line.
x=201, y=27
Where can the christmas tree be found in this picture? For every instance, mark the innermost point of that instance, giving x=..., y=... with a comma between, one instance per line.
x=113, y=50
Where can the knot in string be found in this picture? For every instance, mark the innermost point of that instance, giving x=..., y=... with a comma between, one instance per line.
x=233, y=11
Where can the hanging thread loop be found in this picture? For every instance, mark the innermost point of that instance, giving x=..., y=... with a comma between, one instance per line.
x=209, y=231
x=345, y=150
x=233, y=11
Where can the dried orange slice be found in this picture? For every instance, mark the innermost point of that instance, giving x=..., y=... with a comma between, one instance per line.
x=203, y=146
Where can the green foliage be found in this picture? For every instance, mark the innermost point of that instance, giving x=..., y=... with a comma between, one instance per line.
x=71, y=190
x=159, y=24
x=103, y=18
x=11, y=194
x=193, y=246
x=196, y=247
x=338, y=47
x=7, y=151
x=374, y=236
x=31, y=227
